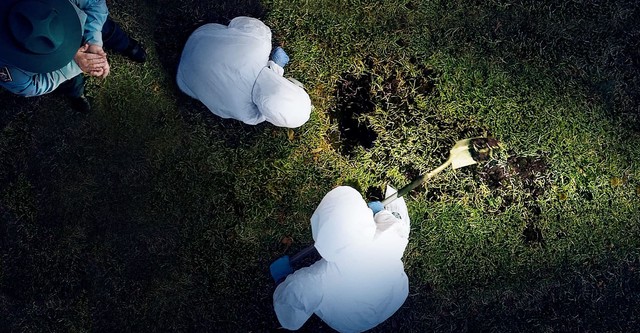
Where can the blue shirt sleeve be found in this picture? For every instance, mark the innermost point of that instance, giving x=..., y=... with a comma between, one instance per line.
x=97, y=13
x=29, y=84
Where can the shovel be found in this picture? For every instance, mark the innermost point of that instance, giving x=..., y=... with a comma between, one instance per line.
x=464, y=153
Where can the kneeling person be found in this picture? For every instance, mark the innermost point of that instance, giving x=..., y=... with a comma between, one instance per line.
x=360, y=280
x=228, y=68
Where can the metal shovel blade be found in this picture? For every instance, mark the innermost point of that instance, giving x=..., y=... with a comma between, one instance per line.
x=471, y=151
x=460, y=156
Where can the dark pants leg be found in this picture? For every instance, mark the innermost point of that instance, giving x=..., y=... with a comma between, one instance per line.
x=73, y=87
x=113, y=37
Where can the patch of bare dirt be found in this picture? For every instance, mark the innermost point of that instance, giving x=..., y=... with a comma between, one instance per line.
x=528, y=175
x=354, y=100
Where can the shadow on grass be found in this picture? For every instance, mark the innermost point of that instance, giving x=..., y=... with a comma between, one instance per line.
x=176, y=20
x=604, y=299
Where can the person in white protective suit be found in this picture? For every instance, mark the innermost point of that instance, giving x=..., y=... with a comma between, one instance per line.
x=229, y=69
x=360, y=280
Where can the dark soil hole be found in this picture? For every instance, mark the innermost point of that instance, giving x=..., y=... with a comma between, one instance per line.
x=354, y=100
x=412, y=173
x=434, y=194
x=530, y=169
x=374, y=194
x=526, y=175
x=238, y=208
x=410, y=5
x=493, y=175
x=506, y=202
x=586, y=195
x=425, y=83
x=532, y=235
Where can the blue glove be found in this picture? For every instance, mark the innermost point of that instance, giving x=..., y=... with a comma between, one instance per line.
x=280, y=269
x=375, y=206
x=280, y=57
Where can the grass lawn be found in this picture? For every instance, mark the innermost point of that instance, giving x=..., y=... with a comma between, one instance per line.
x=151, y=214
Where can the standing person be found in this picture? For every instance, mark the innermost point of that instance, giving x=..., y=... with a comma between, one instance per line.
x=47, y=45
x=230, y=70
x=360, y=280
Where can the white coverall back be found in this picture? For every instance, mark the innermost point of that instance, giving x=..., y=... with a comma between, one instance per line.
x=360, y=281
x=220, y=66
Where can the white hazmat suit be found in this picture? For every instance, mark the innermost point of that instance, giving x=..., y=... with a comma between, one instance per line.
x=360, y=280
x=228, y=69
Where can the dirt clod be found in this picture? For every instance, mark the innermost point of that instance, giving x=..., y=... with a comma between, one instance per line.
x=481, y=149
x=527, y=175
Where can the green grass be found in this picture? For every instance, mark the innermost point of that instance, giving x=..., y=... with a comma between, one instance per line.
x=152, y=214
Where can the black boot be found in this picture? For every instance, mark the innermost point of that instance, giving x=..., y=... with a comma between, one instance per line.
x=135, y=52
x=80, y=104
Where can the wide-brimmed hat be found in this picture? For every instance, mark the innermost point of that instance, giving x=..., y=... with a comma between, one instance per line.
x=39, y=36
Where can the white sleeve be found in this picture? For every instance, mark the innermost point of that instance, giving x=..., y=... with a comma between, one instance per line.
x=387, y=221
x=297, y=298
x=398, y=209
x=275, y=67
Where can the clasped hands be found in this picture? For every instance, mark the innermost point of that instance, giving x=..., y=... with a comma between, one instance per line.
x=92, y=60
